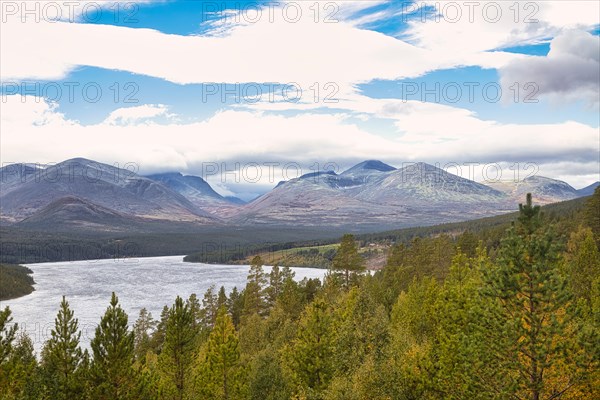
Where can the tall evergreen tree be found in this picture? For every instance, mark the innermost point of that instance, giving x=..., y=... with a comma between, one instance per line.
x=113, y=355
x=254, y=294
x=7, y=335
x=221, y=298
x=19, y=377
x=221, y=376
x=528, y=324
x=62, y=357
x=235, y=305
x=347, y=260
x=176, y=356
x=142, y=334
x=158, y=336
x=209, y=308
x=309, y=358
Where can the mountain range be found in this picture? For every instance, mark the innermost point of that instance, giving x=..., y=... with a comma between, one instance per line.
x=80, y=194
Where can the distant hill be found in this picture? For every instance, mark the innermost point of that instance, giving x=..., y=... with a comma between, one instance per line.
x=83, y=194
x=545, y=190
x=198, y=192
x=372, y=193
x=117, y=190
x=588, y=190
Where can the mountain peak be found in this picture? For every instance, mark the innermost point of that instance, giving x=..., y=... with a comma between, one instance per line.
x=370, y=165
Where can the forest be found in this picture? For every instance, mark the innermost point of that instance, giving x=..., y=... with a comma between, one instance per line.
x=511, y=313
x=16, y=281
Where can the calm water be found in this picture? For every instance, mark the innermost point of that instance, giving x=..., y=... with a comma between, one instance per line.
x=144, y=282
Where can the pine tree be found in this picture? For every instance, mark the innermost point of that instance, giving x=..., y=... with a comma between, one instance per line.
x=309, y=358
x=7, y=335
x=254, y=294
x=347, y=260
x=221, y=377
x=235, y=305
x=113, y=355
x=19, y=378
x=62, y=356
x=275, y=285
x=142, y=334
x=277, y=279
x=221, y=298
x=195, y=310
x=209, y=309
x=176, y=356
x=527, y=327
x=158, y=336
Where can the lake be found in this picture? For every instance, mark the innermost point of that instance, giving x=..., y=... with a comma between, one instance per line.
x=143, y=282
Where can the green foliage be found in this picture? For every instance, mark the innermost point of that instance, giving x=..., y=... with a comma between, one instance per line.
x=221, y=375
x=15, y=281
x=113, y=355
x=529, y=317
x=592, y=214
x=347, y=261
x=142, y=334
x=308, y=359
x=582, y=263
x=62, y=358
x=255, y=301
x=7, y=335
x=471, y=312
x=176, y=355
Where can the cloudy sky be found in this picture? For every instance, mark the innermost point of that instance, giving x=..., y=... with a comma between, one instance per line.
x=249, y=93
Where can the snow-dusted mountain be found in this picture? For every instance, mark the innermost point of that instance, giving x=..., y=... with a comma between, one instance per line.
x=25, y=191
x=85, y=193
x=544, y=190
x=198, y=192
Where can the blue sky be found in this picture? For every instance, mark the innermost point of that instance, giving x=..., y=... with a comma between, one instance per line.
x=192, y=69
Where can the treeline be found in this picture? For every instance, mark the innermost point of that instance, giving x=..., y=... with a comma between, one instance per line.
x=490, y=230
x=218, y=244
x=447, y=318
x=15, y=281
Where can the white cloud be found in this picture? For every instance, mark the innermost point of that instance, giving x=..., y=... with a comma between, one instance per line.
x=427, y=132
x=133, y=115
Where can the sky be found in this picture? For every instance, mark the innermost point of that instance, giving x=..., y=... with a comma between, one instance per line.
x=248, y=93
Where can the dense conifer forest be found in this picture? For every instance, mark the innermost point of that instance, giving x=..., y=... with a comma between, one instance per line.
x=511, y=313
x=15, y=281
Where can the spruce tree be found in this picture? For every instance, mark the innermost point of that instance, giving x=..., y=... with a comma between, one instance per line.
x=113, y=355
x=176, y=356
x=347, y=260
x=62, y=356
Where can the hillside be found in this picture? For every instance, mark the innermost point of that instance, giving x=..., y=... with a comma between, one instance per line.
x=15, y=281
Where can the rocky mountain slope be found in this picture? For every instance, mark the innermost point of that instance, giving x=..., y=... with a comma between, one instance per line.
x=25, y=191
x=84, y=194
